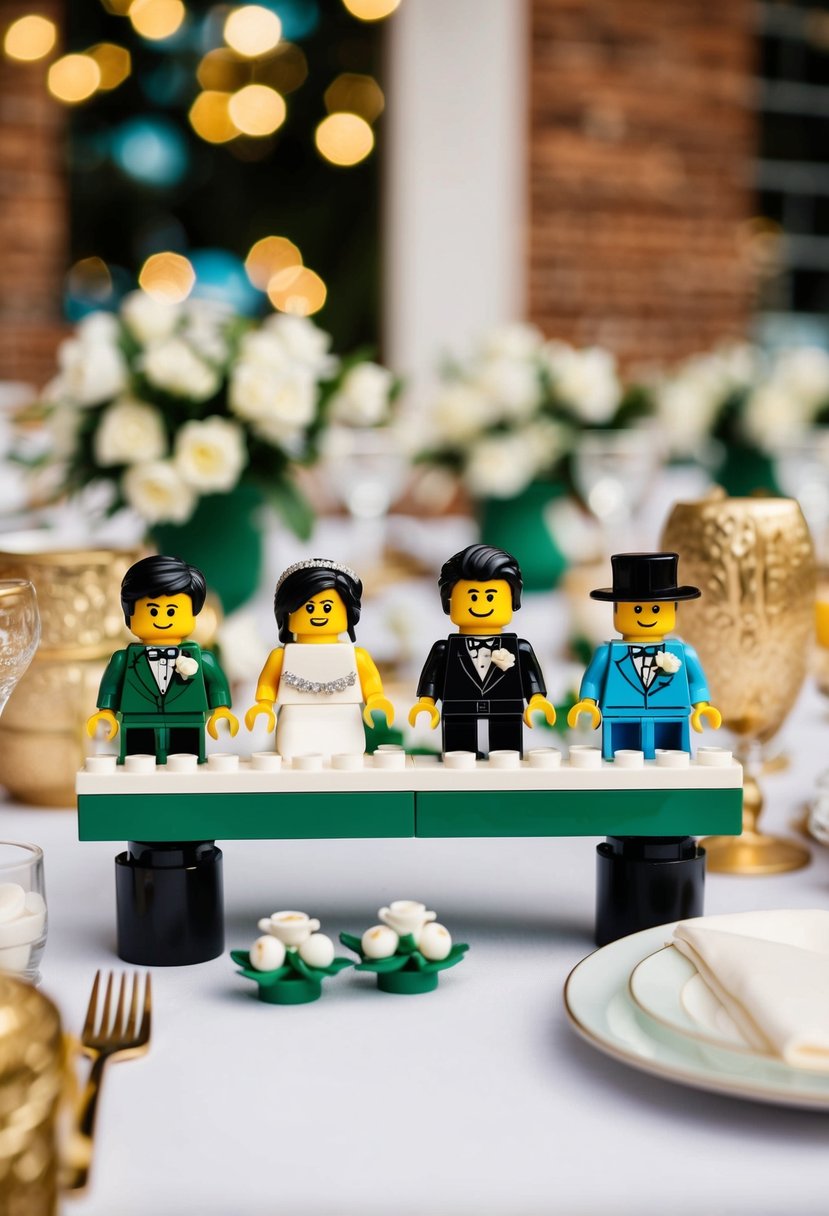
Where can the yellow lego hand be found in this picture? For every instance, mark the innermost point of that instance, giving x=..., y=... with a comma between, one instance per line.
x=585, y=706
x=261, y=707
x=426, y=705
x=703, y=710
x=377, y=703
x=222, y=714
x=103, y=715
x=539, y=705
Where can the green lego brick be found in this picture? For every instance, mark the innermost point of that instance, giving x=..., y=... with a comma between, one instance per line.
x=688, y=812
x=250, y=816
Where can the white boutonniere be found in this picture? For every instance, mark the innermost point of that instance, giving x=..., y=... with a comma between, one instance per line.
x=186, y=667
x=503, y=658
x=668, y=662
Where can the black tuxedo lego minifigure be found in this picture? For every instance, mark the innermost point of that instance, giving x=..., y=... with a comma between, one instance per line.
x=481, y=674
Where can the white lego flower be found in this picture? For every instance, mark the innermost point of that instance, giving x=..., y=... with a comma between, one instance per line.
x=278, y=402
x=460, y=412
x=585, y=380
x=156, y=491
x=292, y=928
x=304, y=343
x=317, y=950
x=406, y=916
x=379, y=942
x=210, y=454
x=130, y=432
x=92, y=367
x=514, y=385
x=668, y=662
x=267, y=954
x=173, y=366
x=363, y=397
x=501, y=466
x=186, y=666
x=503, y=658
x=435, y=942
x=516, y=340
x=148, y=320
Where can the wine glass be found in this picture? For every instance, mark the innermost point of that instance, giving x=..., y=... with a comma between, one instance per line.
x=19, y=633
x=365, y=469
x=613, y=471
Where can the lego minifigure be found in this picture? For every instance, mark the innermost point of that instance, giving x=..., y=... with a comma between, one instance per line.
x=643, y=689
x=481, y=674
x=159, y=690
x=317, y=681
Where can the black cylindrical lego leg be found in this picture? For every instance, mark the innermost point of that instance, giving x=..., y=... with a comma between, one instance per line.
x=646, y=880
x=169, y=903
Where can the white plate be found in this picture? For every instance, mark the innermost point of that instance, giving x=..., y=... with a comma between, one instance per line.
x=599, y=1004
x=668, y=987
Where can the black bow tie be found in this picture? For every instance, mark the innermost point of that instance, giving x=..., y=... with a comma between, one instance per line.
x=154, y=653
x=645, y=651
x=474, y=644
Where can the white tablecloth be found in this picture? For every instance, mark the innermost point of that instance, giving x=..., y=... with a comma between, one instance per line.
x=475, y=1099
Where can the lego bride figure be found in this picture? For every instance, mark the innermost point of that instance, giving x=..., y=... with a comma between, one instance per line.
x=314, y=684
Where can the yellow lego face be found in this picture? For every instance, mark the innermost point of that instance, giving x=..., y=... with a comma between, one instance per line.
x=643, y=621
x=163, y=618
x=481, y=607
x=322, y=618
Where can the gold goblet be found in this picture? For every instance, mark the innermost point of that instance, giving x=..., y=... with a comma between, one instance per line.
x=754, y=561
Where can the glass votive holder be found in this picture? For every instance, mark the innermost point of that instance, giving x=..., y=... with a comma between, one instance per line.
x=22, y=909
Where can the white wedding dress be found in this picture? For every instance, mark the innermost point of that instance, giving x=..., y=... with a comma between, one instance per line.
x=327, y=720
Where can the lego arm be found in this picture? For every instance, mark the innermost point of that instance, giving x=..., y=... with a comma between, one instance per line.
x=372, y=688
x=109, y=697
x=698, y=686
x=591, y=685
x=266, y=689
x=534, y=687
x=218, y=696
x=430, y=680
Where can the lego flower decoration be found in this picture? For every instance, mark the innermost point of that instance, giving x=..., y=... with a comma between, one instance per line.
x=669, y=663
x=290, y=960
x=503, y=659
x=165, y=403
x=408, y=950
x=186, y=667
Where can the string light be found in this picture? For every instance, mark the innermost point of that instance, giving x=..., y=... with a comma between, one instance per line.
x=252, y=30
x=355, y=94
x=156, y=19
x=210, y=117
x=257, y=110
x=168, y=277
x=297, y=290
x=30, y=38
x=73, y=78
x=371, y=10
x=268, y=256
x=344, y=139
x=114, y=63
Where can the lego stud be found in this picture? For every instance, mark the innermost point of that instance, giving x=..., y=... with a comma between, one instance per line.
x=223, y=762
x=312, y=763
x=667, y=758
x=350, y=762
x=389, y=747
x=459, y=759
x=391, y=760
x=266, y=762
x=139, y=763
x=544, y=757
x=629, y=758
x=101, y=764
x=182, y=762
x=582, y=756
x=505, y=758
x=714, y=757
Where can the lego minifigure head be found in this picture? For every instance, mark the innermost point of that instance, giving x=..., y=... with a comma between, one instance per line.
x=646, y=621
x=480, y=588
x=317, y=599
x=161, y=598
x=645, y=594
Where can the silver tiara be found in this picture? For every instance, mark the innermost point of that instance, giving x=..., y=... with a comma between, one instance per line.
x=316, y=563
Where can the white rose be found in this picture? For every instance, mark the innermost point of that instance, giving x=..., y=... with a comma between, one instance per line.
x=174, y=367
x=92, y=368
x=262, y=347
x=210, y=454
x=204, y=326
x=98, y=327
x=668, y=662
x=156, y=491
x=773, y=415
x=804, y=372
x=513, y=384
x=243, y=651
x=363, y=396
x=278, y=403
x=500, y=466
x=63, y=424
x=149, y=320
x=460, y=412
x=304, y=342
x=516, y=340
x=186, y=667
x=687, y=408
x=129, y=432
x=503, y=658
x=585, y=380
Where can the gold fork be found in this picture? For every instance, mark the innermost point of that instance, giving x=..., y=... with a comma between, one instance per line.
x=104, y=1040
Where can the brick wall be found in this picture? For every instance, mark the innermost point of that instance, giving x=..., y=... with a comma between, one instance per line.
x=641, y=140
x=34, y=216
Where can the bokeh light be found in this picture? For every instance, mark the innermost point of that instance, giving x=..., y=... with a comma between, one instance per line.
x=371, y=10
x=257, y=110
x=73, y=78
x=268, y=256
x=355, y=94
x=118, y=8
x=252, y=30
x=151, y=149
x=168, y=277
x=297, y=290
x=220, y=276
x=344, y=139
x=299, y=18
x=114, y=63
x=88, y=286
x=223, y=70
x=30, y=38
x=156, y=19
x=210, y=117
x=285, y=70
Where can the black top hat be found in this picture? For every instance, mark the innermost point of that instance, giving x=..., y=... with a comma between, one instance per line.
x=641, y=577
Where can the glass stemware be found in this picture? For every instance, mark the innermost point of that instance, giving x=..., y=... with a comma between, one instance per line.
x=19, y=633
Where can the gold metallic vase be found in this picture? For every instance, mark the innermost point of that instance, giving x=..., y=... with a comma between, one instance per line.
x=754, y=562
x=42, y=740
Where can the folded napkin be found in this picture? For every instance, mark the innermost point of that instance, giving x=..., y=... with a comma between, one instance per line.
x=770, y=972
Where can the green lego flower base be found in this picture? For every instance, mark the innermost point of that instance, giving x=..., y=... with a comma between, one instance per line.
x=295, y=983
x=408, y=983
x=293, y=991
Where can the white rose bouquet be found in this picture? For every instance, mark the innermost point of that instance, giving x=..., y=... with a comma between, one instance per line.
x=168, y=403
